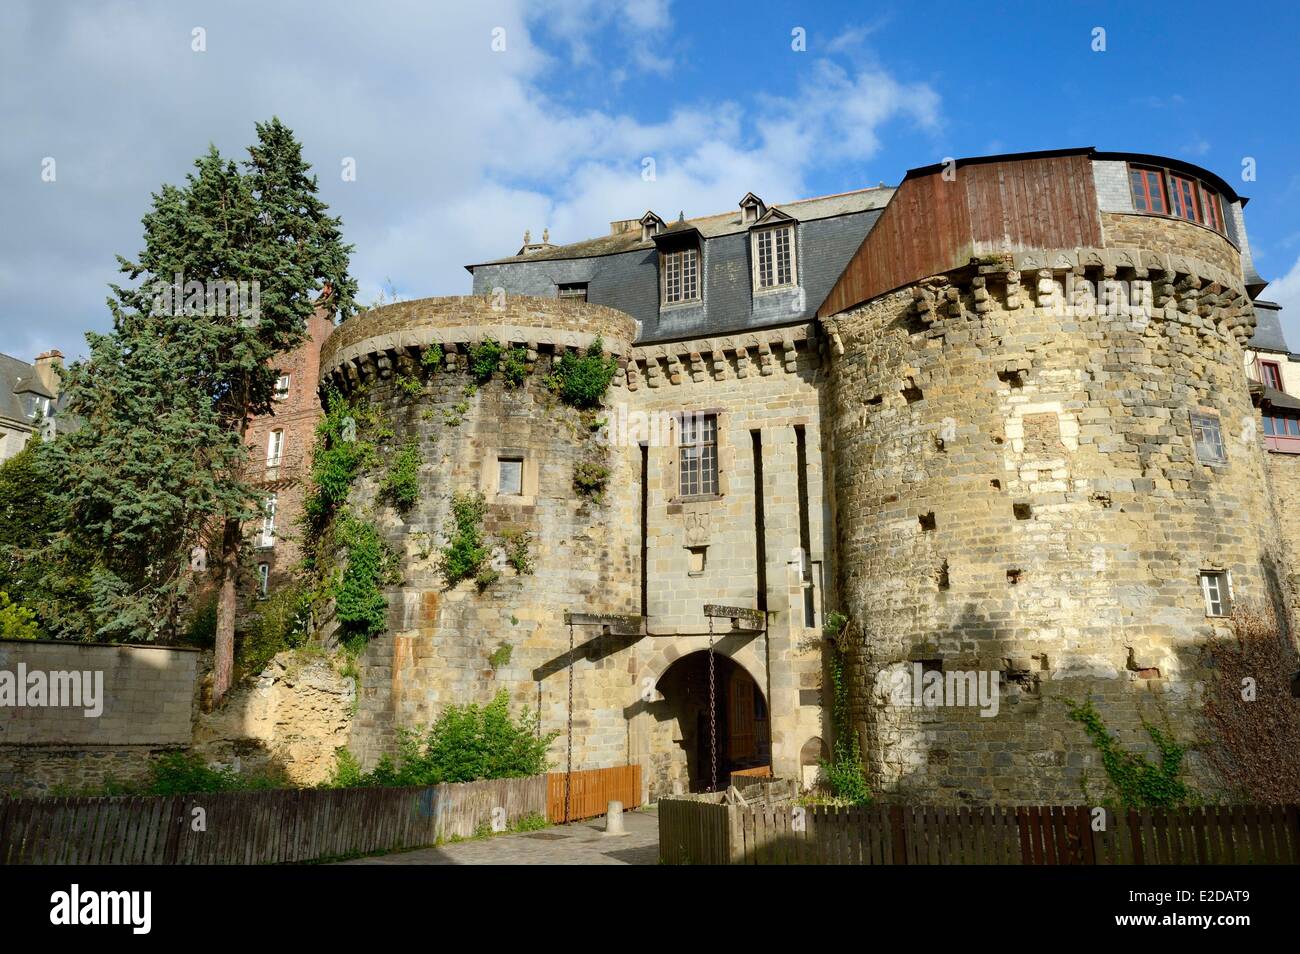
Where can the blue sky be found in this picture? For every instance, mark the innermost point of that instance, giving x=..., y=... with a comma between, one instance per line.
x=459, y=147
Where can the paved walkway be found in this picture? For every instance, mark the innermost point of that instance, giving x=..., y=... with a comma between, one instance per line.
x=581, y=843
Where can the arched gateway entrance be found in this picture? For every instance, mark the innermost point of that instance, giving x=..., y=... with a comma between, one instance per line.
x=742, y=723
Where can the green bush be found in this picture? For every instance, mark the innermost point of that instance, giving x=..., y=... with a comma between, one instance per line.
x=336, y=459
x=465, y=744
x=582, y=380
x=16, y=622
x=484, y=358
x=589, y=479
x=186, y=773
x=402, y=483
x=432, y=357
x=518, y=544
x=464, y=556
x=360, y=604
x=515, y=367
x=278, y=623
x=844, y=773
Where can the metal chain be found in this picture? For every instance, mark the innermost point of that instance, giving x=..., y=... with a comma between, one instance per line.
x=568, y=772
x=713, y=715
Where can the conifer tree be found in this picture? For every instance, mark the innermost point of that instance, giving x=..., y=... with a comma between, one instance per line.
x=232, y=265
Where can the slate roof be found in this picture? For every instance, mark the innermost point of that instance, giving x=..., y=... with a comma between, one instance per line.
x=1268, y=328
x=709, y=226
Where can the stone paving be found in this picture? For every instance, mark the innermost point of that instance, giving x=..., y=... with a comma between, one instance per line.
x=581, y=843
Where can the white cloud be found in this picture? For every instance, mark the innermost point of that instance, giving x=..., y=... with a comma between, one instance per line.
x=1286, y=292
x=458, y=149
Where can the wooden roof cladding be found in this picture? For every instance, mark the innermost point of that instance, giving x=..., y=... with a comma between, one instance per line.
x=933, y=225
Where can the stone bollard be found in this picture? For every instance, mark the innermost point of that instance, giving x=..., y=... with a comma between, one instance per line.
x=614, y=819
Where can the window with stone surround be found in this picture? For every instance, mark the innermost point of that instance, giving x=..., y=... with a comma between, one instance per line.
x=510, y=475
x=1208, y=439
x=282, y=387
x=774, y=258
x=1216, y=587
x=681, y=276
x=263, y=579
x=275, y=448
x=698, y=454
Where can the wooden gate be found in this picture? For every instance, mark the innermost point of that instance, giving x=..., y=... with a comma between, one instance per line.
x=591, y=791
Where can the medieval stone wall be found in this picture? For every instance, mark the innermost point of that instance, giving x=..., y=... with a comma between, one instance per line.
x=1018, y=492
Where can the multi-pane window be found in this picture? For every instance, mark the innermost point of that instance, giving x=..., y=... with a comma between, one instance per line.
x=275, y=448
x=1165, y=192
x=681, y=276
x=1277, y=424
x=263, y=578
x=1148, y=190
x=510, y=475
x=1183, y=198
x=267, y=536
x=282, y=387
x=698, y=453
x=1270, y=373
x=774, y=257
x=1217, y=590
x=1208, y=439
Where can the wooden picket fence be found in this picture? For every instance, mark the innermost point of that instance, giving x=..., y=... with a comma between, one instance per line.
x=708, y=831
x=591, y=791
x=269, y=827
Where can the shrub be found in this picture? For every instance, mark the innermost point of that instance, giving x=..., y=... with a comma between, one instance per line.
x=432, y=357
x=338, y=458
x=589, y=479
x=484, y=358
x=278, y=623
x=518, y=544
x=186, y=773
x=844, y=773
x=464, y=744
x=16, y=622
x=402, y=484
x=515, y=367
x=582, y=380
x=360, y=605
x=464, y=556
x=410, y=385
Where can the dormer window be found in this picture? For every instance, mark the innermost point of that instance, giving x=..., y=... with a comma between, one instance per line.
x=681, y=276
x=774, y=258
x=751, y=209
x=651, y=225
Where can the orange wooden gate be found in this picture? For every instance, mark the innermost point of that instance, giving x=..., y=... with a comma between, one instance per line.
x=591, y=791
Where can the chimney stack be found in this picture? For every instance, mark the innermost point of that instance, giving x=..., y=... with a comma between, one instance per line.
x=48, y=365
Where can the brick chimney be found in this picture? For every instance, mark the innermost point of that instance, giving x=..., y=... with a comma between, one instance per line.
x=48, y=364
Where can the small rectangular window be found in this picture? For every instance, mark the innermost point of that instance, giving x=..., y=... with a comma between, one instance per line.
x=1211, y=208
x=577, y=290
x=263, y=578
x=1208, y=439
x=698, y=450
x=1217, y=590
x=510, y=475
x=1270, y=373
x=1268, y=425
x=681, y=276
x=282, y=387
x=267, y=536
x=275, y=448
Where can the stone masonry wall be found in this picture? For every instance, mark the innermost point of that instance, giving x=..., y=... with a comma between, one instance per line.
x=148, y=699
x=1018, y=492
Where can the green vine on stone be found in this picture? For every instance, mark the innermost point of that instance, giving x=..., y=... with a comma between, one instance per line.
x=465, y=555
x=339, y=456
x=484, y=359
x=844, y=772
x=360, y=604
x=515, y=367
x=1140, y=784
x=402, y=483
x=432, y=357
x=518, y=544
x=590, y=478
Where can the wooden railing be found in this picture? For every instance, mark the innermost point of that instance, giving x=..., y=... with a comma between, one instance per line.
x=706, y=831
x=591, y=791
x=257, y=827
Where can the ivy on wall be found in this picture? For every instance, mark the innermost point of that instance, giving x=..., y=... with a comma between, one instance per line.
x=1139, y=782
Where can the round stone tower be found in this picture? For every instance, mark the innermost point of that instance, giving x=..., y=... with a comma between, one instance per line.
x=559, y=542
x=1046, y=472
